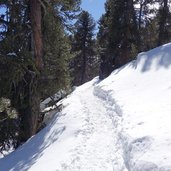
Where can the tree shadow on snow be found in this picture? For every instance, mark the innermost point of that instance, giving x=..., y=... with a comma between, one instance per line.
x=25, y=156
x=157, y=58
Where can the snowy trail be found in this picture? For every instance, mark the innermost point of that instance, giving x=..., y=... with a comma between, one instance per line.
x=97, y=147
x=83, y=137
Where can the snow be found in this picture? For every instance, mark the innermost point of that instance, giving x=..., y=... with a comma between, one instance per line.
x=119, y=124
x=142, y=90
x=12, y=54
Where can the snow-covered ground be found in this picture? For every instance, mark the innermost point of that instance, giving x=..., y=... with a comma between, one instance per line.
x=119, y=124
x=142, y=90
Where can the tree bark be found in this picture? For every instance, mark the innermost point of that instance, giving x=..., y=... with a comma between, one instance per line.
x=84, y=66
x=162, y=23
x=28, y=99
x=36, y=23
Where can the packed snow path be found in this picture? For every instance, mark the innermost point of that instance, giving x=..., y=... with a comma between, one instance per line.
x=97, y=145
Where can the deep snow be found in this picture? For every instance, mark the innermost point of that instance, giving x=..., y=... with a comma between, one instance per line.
x=119, y=124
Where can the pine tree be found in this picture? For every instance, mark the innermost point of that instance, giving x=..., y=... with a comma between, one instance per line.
x=57, y=56
x=164, y=18
x=119, y=27
x=106, y=66
x=85, y=62
x=28, y=57
x=147, y=23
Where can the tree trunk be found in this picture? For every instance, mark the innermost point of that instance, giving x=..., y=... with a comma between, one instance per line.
x=107, y=65
x=162, y=23
x=125, y=48
x=140, y=16
x=36, y=22
x=27, y=102
x=84, y=67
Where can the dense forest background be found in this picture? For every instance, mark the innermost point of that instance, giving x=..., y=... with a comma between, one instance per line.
x=47, y=46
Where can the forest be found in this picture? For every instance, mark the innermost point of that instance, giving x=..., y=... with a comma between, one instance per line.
x=48, y=46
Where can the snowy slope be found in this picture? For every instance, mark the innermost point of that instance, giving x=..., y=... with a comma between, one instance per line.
x=119, y=124
x=81, y=137
x=142, y=90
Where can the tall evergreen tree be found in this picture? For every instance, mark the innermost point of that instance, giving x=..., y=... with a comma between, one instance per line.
x=57, y=56
x=106, y=60
x=83, y=45
x=164, y=16
x=28, y=56
x=120, y=31
x=147, y=23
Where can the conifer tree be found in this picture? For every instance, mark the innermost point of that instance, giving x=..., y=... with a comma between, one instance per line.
x=85, y=62
x=147, y=23
x=28, y=57
x=119, y=27
x=57, y=56
x=164, y=18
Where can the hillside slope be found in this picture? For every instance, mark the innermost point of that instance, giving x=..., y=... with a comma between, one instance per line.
x=121, y=123
x=142, y=90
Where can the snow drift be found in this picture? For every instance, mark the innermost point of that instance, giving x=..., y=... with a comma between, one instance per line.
x=121, y=123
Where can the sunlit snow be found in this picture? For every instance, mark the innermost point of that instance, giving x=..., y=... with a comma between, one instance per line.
x=119, y=124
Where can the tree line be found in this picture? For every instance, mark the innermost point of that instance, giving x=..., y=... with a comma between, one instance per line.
x=52, y=45
x=129, y=27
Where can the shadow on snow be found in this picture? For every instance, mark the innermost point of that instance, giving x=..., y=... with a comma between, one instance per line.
x=33, y=149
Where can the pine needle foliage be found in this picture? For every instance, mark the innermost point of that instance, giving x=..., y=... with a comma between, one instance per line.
x=56, y=56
